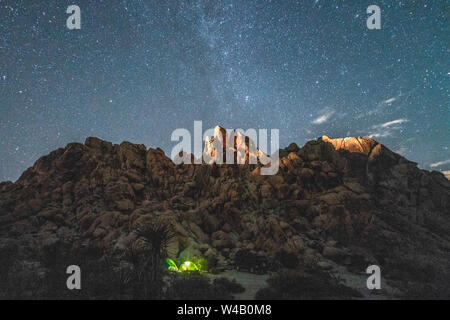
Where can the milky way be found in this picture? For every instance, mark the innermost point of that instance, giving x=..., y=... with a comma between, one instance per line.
x=137, y=70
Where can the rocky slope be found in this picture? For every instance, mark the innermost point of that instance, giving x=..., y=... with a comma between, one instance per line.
x=339, y=204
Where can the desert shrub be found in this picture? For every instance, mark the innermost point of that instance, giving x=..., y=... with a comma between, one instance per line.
x=227, y=285
x=99, y=279
x=194, y=286
x=154, y=237
x=247, y=260
x=103, y=277
x=411, y=269
x=267, y=294
x=287, y=259
x=421, y=291
x=299, y=284
x=146, y=276
x=425, y=278
x=211, y=262
x=7, y=262
x=21, y=282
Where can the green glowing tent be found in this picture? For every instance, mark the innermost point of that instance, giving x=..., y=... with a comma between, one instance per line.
x=188, y=266
x=171, y=266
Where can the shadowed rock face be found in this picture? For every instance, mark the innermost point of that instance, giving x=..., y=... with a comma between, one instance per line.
x=349, y=202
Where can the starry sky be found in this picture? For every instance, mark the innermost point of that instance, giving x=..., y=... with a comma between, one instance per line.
x=139, y=69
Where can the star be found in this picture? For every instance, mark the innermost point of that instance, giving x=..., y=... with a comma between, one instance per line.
x=138, y=71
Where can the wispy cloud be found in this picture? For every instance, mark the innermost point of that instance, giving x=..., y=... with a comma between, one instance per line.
x=401, y=151
x=381, y=106
x=324, y=117
x=380, y=134
x=390, y=100
x=440, y=163
x=394, y=122
x=387, y=129
x=321, y=119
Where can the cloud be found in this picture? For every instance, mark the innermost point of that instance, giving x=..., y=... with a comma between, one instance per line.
x=389, y=123
x=380, y=134
x=386, y=129
x=324, y=117
x=380, y=107
x=321, y=119
x=390, y=100
x=401, y=151
x=394, y=122
x=440, y=163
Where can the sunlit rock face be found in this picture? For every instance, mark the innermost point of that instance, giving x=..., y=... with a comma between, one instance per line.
x=216, y=145
x=239, y=148
x=352, y=144
x=447, y=174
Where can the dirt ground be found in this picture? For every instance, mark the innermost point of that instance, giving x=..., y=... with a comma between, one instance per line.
x=251, y=282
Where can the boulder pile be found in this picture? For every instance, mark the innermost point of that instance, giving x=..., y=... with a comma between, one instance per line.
x=347, y=202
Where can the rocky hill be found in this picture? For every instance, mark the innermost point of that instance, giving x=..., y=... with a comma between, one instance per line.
x=336, y=204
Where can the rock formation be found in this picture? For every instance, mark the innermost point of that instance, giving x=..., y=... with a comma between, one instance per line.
x=335, y=203
x=238, y=147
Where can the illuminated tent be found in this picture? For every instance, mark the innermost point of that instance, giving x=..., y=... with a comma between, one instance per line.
x=188, y=266
x=171, y=266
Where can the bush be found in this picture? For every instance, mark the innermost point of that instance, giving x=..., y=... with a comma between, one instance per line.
x=299, y=284
x=193, y=286
x=211, y=262
x=420, y=291
x=249, y=261
x=226, y=285
x=287, y=259
x=267, y=294
x=103, y=277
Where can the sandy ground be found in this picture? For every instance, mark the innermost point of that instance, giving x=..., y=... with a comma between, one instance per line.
x=359, y=282
x=251, y=282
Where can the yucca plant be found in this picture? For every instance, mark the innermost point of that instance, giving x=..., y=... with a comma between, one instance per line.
x=155, y=237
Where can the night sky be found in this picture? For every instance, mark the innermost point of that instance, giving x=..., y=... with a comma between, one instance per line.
x=139, y=69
